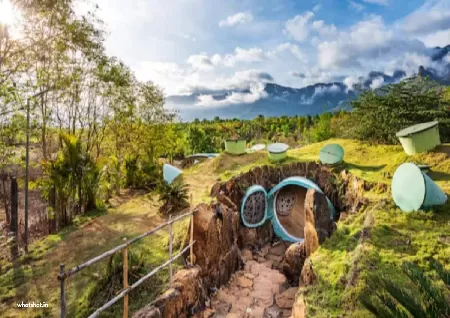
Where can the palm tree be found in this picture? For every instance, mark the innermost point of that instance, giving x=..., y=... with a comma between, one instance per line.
x=174, y=196
x=426, y=300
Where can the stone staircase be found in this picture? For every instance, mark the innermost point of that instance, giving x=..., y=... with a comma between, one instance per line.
x=259, y=290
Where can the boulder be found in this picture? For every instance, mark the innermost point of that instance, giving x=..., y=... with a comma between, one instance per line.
x=170, y=303
x=188, y=282
x=293, y=262
x=317, y=204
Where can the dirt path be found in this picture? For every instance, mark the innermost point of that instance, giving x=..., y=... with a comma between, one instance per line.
x=259, y=290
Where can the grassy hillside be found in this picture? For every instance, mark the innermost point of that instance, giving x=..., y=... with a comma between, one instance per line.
x=342, y=263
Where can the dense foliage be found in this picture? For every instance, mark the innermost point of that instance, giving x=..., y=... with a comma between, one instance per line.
x=90, y=118
x=379, y=114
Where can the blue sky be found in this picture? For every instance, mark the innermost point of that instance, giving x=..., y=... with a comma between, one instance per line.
x=215, y=45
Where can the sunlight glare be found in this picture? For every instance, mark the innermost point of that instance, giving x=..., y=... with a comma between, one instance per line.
x=11, y=17
x=6, y=12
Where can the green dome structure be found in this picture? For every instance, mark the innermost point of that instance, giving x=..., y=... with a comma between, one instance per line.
x=420, y=138
x=412, y=189
x=277, y=151
x=331, y=154
x=236, y=146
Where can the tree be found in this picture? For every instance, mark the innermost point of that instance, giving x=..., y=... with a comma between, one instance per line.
x=379, y=114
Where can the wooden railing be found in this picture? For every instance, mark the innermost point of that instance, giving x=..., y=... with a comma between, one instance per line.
x=126, y=288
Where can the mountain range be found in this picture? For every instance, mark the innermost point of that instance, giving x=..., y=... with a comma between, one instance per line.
x=315, y=99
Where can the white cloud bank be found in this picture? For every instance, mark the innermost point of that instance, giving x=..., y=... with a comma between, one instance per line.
x=257, y=92
x=311, y=51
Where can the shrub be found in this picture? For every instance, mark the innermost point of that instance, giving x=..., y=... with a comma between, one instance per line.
x=174, y=196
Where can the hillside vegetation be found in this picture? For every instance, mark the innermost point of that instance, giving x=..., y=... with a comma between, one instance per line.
x=395, y=236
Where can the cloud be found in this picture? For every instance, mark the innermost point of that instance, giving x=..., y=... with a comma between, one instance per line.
x=200, y=61
x=245, y=55
x=432, y=17
x=358, y=7
x=377, y=82
x=324, y=29
x=320, y=90
x=317, y=7
x=236, y=19
x=366, y=41
x=440, y=38
x=170, y=76
x=301, y=26
x=257, y=92
x=351, y=81
x=380, y=2
x=293, y=49
x=314, y=75
x=447, y=58
x=240, y=55
x=239, y=81
x=297, y=74
x=298, y=26
x=187, y=37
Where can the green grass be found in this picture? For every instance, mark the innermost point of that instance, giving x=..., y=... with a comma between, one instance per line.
x=395, y=237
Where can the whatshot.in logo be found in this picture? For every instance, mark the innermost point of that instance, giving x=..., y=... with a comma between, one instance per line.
x=32, y=305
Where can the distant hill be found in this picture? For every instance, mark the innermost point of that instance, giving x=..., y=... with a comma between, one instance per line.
x=310, y=100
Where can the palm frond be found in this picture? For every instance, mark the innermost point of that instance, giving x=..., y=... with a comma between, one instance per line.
x=377, y=309
x=442, y=272
x=408, y=300
x=434, y=299
x=395, y=310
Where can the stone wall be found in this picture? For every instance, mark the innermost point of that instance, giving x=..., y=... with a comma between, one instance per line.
x=343, y=189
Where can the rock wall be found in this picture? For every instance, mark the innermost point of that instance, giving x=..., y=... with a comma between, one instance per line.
x=185, y=296
x=343, y=189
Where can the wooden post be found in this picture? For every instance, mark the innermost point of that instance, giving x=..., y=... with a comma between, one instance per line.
x=125, y=280
x=15, y=217
x=14, y=206
x=63, y=292
x=27, y=164
x=170, y=247
x=192, y=233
